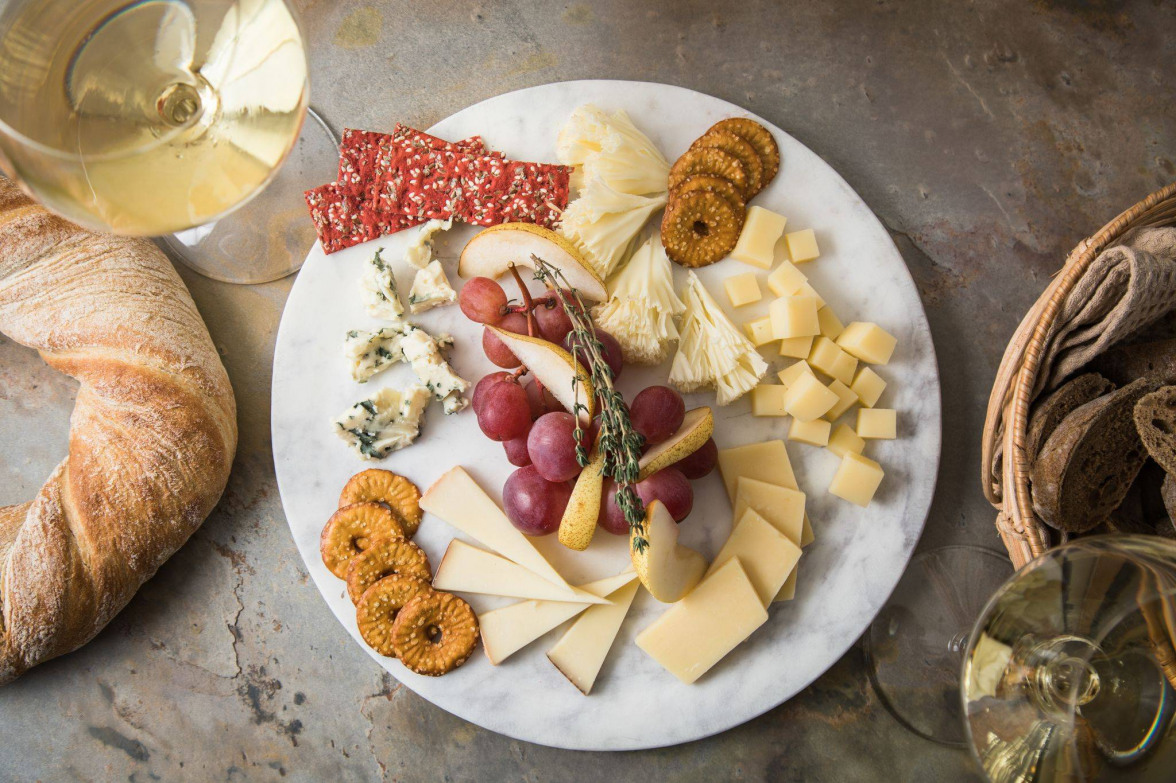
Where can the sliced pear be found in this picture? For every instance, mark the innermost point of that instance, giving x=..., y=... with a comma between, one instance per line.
x=564, y=377
x=491, y=252
x=697, y=427
x=667, y=569
x=578, y=523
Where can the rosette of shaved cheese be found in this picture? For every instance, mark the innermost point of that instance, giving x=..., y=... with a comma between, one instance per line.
x=642, y=305
x=712, y=352
x=608, y=146
x=603, y=223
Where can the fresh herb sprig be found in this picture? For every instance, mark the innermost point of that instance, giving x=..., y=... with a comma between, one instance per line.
x=620, y=443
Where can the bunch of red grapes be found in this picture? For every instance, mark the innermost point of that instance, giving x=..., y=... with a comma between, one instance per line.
x=539, y=436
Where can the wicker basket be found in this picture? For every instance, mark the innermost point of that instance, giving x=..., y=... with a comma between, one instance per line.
x=1024, y=535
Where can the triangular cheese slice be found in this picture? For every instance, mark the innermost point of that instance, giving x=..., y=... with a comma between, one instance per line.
x=467, y=569
x=766, y=554
x=581, y=651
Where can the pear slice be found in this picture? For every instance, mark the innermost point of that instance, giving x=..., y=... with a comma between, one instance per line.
x=578, y=523
x=697, y=426
x=564, y=377
x=667, y=569
x=491, y=252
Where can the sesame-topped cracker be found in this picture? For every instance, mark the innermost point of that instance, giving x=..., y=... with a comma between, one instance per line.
x=351, y=530
x=700, y=228
x=708, y=160
x=757, y=136
x=376, y=610
x=385, y=557
x=393, y=490
x=434, y=633
x=739, y=147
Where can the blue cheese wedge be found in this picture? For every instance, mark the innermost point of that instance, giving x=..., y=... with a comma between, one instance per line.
x=378, y=286
x=421, y=351
x=420, y=253
x=430, y=288
x=386, y=421
x=371, y=352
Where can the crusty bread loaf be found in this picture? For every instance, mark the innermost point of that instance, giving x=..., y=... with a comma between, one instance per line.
x=1087, y=465
x=152, y=435
x=1155, y=419
x=1049, y=412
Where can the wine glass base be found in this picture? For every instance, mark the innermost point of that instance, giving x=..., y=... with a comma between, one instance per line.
x=267, y=238
x=915, y=646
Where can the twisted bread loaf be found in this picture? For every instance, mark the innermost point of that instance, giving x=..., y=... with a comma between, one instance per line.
x=152, y=435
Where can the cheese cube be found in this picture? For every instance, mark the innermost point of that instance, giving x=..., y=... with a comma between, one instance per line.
x=846, y=400
x=794, y=316
x=757, y=242
x=711, y=621
x=831, y=360
x=766, y=554
x=867, y=341
x=794, y=371
x=868, y=386
x=831, y=325
x=857, y=479
x=796, y=347
x=768, y=400
x=742, y=289
x=781, y=506
x=786, y=279
x=844, y=440
x=807, y=290
x=759, y=331
x=808, y=399
x=815, y=432
x=767, y=461
x=802, y=245
x=877, y=423
x=806, y=533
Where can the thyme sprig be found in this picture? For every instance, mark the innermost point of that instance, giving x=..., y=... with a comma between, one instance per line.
x=618, y=441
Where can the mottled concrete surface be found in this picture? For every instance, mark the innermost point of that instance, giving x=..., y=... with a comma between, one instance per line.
x=988, y=136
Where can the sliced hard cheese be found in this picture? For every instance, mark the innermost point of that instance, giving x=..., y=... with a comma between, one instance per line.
x=781, y=506
x=702, y=628
x=581, y=651
x=788, y=590
x=767, y=461
x=806, y=532
x=457, y=499
x=507, y=630
x=468, y=569
x=766, y=554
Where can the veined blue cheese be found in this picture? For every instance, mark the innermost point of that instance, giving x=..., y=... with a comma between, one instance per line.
x=430, y=288
x=420, y=253
x=386, y=421
x=378, y=285
x=371, y=352
x=421, y=351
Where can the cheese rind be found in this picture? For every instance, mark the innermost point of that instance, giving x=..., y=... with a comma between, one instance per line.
x=857, y=479
x=762, y=228
x=879, y=423
x=794, y=316
x=868, y=342
x=766, y=554
x=767, y=461
x=742, y=289
x=711, y=621
x=814, y=433
x=808, y=399
x=868, y=386
x=581, y=651
x=467, y=569
x=802, y=245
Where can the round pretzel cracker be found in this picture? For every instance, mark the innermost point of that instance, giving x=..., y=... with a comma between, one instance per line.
x=736, y=145
x=712, y=161
x=714, y=184
x=700, y=228
x=351, y=529
x=393, y=490
x=434, y=633
x=385, y=557
x=757, y=136
x=375, y=613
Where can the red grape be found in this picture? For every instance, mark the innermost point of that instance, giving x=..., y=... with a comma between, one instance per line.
x=516, y=452
x=481, y=386
x=504, y=414
x=554, y=323
x=610, y=351
x=657, y=413
x=611, y=518
x=540, y=403
x=671, y=488
x=534, y=504
x=701, y=462
x=552, y=446
x=481, y=299
x=496, y=350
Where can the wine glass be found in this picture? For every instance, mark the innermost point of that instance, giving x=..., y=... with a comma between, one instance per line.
x=162, y=117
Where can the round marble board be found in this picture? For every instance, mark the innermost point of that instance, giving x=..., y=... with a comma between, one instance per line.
x=844, y=576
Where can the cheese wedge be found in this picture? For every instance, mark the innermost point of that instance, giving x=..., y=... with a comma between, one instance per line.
x=806, y=532
x=581, y=651
x=507, y=630
x=457, y=499
x=766, y=554
x=767, y=461
x=788, y=590
x=706, y=625
x=467, y=569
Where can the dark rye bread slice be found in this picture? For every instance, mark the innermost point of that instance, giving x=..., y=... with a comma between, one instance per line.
x=1067, y=398
x=1087, y=465
x=1155, y=419
x=1168, y=493
x=1124, y=363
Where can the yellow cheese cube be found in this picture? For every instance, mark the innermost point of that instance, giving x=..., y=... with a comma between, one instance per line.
x=802, y=245
x=846, y=400
x=759, y=331
x=796, y=347
x=767, y=461
x=808, y=399
x=844, y=440
x=815, y=432
x=781, y=506
x=786, y=279
x=830, y=359
x=881, y=423
x=768, y=400
x=757, y=242
x=766, y=554
x=867, y=341
x=806, y=533
x=831, y=325
x=868, y=386
x=742, y=289
x=807, y=290
x=793, y=371
x=857, y=479
x=794, y=316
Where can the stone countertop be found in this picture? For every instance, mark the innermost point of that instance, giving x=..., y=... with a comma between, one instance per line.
x=989, y=137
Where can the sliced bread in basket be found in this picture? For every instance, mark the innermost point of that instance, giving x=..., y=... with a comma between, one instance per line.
x=1155, y=419
x=1067, y=398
